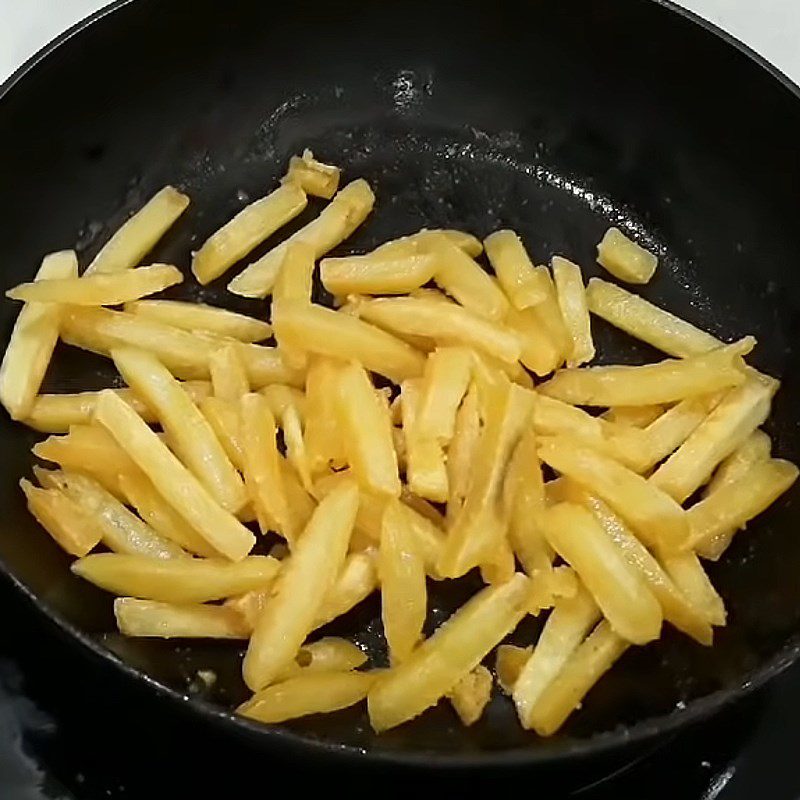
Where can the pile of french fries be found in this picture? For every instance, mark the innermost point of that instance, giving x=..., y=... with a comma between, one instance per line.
x=433, y=422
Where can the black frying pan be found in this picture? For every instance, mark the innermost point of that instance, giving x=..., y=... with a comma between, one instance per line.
x=554, y=118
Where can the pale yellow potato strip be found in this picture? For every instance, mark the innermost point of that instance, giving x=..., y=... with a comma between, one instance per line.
x=404, y=596
x=509, y=661
x=689, y=576
x=549, y=315
x=572, y=302
x=426, y=471
x=314, y=177
x=100, y=290
x=281, y=398
x=33, y=340
x=356, y=581
x=323, y=441
x=755, y=449
x=624, y=258
x=444, y=384
x=733, y=505
x=470, y=696
x=251, y=226
x=178, y=486
x=582, y=671
x=228, y=375
x=617, y=587
x=305, y=579
x=635, y=416
x=665, y=382
x=348, y=209
x=56, y=413
x=366, y=431
x=315, y=693
x=133, y=240
x=411, y=245
x=75, y=531
x=464, y=279
x=370, y=274
x=122, y=531
x=140, y=493
x=539, y=353
x=523, y=286
x=184, y=354
x=151, y=618
x=201, y=317
x=566, y=627
x=225, y=421
x=325, y=655
x=461, y=450
x=296, y=453
x=456, y=647
x=447, y=323
x=653, y=514
x=738, y=414
x=176, y=580
x=319, y=330
x=676, y=607
x=647, y=322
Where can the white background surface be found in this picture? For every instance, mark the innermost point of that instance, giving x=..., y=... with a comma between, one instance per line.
x=771, y=27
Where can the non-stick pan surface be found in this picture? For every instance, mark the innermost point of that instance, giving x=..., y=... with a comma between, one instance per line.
x=553, y=118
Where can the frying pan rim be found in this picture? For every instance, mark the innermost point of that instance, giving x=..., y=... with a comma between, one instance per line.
x=598, y=744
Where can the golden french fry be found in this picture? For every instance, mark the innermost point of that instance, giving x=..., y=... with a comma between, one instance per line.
x=617, y=587
x=366, y=431
x=178, y=486
x=624, y=258
x=71, y=527
x=312, y=176
x=296, y=453
x=371, y=274
x=635, y=416
x=676, y=607
x=89, y=449
x=538, y=352
x=550, y=318
x=357, y=580
x=190, y=436
x=480, y=523
x=33, y=340
x=108, y=289
x=574, y=311
x=457, y=647
x=122, y=531
x=403, y=592
x=280, y=398
x=407, y=246
x=57, y=413
x=736, y=416
x=325, y=655
x=471, y=695
x=139, y=492
x=262, y=467
x=566, y=627
x=689, y=576
x=328, y=333
x=200, y=317
x=225, y=421
x=444, y=383
x=315, y=693
x=447, y=323
x=734, y=504
x=184, y=354
x=176, y=580
x=665, y=382
x=152, y=618
x=293, y=284
x=228, y=375
x=251, y=226
x=509, y=661
x=581, y=672
x=348, y=209
x=464, y=279
x=755, y=449
x=524, y=500
x=426, y=471
x=461, y=451
x=523, y=286
x=305, y=579
x=324, y=446
x=627, y=445
x=654, y=515
x=133, y=240
x=647, y=322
